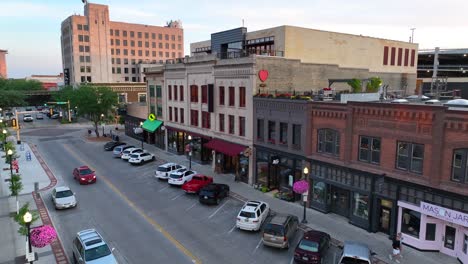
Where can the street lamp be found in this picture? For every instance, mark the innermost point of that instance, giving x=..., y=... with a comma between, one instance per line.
x=10, y=156
x=142, y=135
x=304, y=196
x=4, y=132
x=27, y=220
x=102, y=118
x=190, y=152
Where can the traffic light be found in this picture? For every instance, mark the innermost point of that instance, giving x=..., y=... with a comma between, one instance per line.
x=51, y=111
x=45, y=105
x=14, y=124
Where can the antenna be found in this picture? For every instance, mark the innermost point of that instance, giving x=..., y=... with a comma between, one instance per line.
x=412, y=35
x=242, y=22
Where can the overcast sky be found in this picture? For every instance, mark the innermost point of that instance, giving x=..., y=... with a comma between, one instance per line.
x=30, y=29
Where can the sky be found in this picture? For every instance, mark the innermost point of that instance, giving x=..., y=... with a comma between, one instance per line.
x=30, y=29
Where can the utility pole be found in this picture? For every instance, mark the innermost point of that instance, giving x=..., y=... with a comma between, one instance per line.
x=69, y=113
x=412, y=34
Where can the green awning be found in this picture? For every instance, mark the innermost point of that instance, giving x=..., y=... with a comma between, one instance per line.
x=151, y=126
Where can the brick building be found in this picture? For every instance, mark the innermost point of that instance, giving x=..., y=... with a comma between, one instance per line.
x=386, y=167
x=3, y=64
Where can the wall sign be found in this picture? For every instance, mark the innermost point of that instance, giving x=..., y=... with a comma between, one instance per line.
x=263, y=75
x=445, y=214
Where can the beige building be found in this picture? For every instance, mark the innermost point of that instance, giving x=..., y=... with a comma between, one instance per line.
x=97, y=50
x=3, y=64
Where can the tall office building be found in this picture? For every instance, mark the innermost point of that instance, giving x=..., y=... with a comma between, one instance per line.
x=3, y=65
x=97, y=50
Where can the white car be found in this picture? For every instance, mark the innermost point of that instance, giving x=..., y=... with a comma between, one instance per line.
x=181, y=176
x=139, y=158
x=163, y=171
x=63, y=197
x=128, y=152
x=252, y=215
x=28, y=118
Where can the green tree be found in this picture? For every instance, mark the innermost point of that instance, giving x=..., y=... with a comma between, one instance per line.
x=373, y=84
x=19, y=219
x=10, y=98
x=93, y=101
x=19, y=85
x=356, y=85
x=64, y=94
x=15, y=187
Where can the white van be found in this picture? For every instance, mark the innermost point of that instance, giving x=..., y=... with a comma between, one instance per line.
x=355, y=253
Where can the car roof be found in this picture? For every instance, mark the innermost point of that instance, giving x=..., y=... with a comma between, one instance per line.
x=90, y=238
x=169, y=164
x=180, y=170
x=62, y=188
x=354, y=248
x=84, y=167
x=279, y=219
x=251, y=206
x=314, y=235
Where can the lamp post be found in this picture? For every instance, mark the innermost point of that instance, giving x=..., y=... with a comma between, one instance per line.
x=142, y=135
x=27, y=220
x=10, y=158
x=190, y=152
x=4, y=132
x=304, y=196
x=102, y=119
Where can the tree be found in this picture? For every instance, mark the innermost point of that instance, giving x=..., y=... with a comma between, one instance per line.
x=15, y=187
x=10, y=98
x=93, y=101
x=356, y=85
x=64, y=94
x=11, y=91
x=373, y=84
x=19, y=219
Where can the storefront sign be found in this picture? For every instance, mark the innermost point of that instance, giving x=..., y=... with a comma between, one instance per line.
x=448, y=215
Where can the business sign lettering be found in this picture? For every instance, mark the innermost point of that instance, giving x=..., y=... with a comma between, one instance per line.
x=448, y=215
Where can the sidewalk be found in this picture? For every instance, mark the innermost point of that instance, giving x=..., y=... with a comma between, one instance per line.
x=337, y=226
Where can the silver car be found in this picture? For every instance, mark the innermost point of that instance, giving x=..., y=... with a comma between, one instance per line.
x=90, y=247
x=63, y=197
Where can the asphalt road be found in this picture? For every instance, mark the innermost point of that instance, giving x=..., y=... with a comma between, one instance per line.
x=146, y=220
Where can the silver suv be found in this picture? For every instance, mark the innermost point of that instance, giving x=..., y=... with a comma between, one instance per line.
x=90, y=247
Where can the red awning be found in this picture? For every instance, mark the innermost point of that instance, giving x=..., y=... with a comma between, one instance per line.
x=225, y=147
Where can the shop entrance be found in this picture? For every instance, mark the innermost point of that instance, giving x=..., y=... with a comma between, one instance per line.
x=385, y=216
x=340, y=201
x=448, y=240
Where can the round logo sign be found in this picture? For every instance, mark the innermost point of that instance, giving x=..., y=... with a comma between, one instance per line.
x=152, y=117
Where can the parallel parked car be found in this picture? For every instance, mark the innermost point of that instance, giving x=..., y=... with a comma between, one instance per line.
x=112, y=144
x=84, y=175
x=181, y=176
x=164, y=171
x=128, y=152
x=118, y=151
x=280, y=231
x=90, y=247
x=355, y=252
x=312, y=248
x=28, y=118
x=213, y=193
x=198, y=181
x=63, y=197
x=140, y=158
x=39, y=116
x=252, y=215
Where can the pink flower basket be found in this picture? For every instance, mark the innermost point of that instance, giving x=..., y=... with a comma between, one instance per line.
x=301, y=186
x=42, y=236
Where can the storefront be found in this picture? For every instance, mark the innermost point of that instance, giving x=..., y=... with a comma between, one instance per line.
x=131, y=123
x=433, y=227
x=154, y=133
x=230, y=158
x=178, y=140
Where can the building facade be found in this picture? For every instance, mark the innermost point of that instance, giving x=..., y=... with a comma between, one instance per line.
x=3, y=64
x=97, y=50
x=49, y=82
x=386, y=167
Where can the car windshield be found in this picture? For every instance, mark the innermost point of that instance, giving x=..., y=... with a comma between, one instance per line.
x=64, y=194
x=247, y=214
x=126, y=151
x=97, y=252
x=118, y=149
x=207, y=192
x=197, y=178
x=309, y=245
x=275, y=230
x=350, y=260
x=163, y=169
x=85, y=172
x=176, y=176
x=134, y=156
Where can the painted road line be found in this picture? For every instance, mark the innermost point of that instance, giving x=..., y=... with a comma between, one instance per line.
x=177, y=196
x=217, y=210
x=157, y=226
x=232, y=229
x=193, y=205
x=258, y=245
x=163, y=189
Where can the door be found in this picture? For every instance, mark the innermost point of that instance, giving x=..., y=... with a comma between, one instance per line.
x=340, y=201
x=448, y=240
x=384, y=219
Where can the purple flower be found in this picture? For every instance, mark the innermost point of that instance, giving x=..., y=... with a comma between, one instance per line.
x=301, y=186
x=42, y=236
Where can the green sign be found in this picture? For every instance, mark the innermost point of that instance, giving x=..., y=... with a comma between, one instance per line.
x=61, y=103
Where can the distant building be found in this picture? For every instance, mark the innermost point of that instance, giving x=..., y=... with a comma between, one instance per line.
x=3, y=65
x=49, y=82
x=97, y=50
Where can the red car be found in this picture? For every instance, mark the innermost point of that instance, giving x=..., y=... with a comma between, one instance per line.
x=84, y=175
x=198, y=181
x=312, y=248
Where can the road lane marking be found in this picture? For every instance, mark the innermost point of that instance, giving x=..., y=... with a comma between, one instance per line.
x=258, y=245
x=155, y=225
x=292, y=260
x=177, y=196
x=193, y=205
x=163, y=189
x=213, y=214
x=232, y=229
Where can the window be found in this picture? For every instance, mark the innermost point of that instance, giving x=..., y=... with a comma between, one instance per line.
x=153, y=35
x=126, y=71
x=80, y=38
x=296, y=140
x=153, y=53
x=194, y=94
x=146, y=44
x=139, y=34
x=410, y=222
x=206, y=123
x=329, y=141
x=86, y=38
x=170, y=113
x=465, y=244
x=369, y=149
x=413, y=55
x=132, y=34
x=117, y=42
x=117, y=33
x=459, y=165
x=160, y=36
x=181, y=93
x=132, y=43
x=283, y=133
x=400, y=56
x=140, y=44
x=169, y=94
x=142, y=97
x=124, y=33
x=146, y=35
x=140, y=53
x=392, y=58
x=361, y=206
x=153, y=45
x=158, y=91
x=160, y=46
x=410, y=157
x=204, y=94
x=159, y=112
x=241, y=126
x=176, y=114
x=151, y=90
x=85, y=27
x=260, y=129
x=175, y=92
x=166, y=36
x=167, y=45
x=430, y=231
x=80, y=27
x=231, y=96
x=118, y=70
x=125, y=52
x=271, y=132
x=194, y=117
x=241, y=96
x=181, y=115
x=221, y=95
x=231, y=124
x=221, y=122
x=406, y=56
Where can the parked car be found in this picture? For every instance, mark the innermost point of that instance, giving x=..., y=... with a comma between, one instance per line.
x=252, y=215
x=280, y=231
x=139, y=158
x=355, y=252
x=112, y=144
x=128, y=152
x=39, y=116
x=28, y=109
x=118, y=151
x=28, y=118
x=39, y=108
x=63, y=197
x=198, y=181
x=213, y=193
x=312, y=248
x=84, y=175
x=164, y=171
x=55, y=116
x=89, y=247
x=181, y=176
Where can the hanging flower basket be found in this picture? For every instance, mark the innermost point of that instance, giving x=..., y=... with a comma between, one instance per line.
x=42, y=236
x=301, y=186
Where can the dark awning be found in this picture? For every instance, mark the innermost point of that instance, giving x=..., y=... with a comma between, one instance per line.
x=228, y=148
x=151, y=126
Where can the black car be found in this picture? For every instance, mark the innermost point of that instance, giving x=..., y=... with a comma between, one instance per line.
x=213, y=193
x=111, y=145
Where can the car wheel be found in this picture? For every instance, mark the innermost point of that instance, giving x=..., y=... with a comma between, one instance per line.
x=153, y=158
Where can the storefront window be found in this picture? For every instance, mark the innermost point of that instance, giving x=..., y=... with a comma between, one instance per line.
x=410, y=222
x=361, y=205
x=465, y=244
x=430, y=231
x=319, y=192
x=262, y=173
